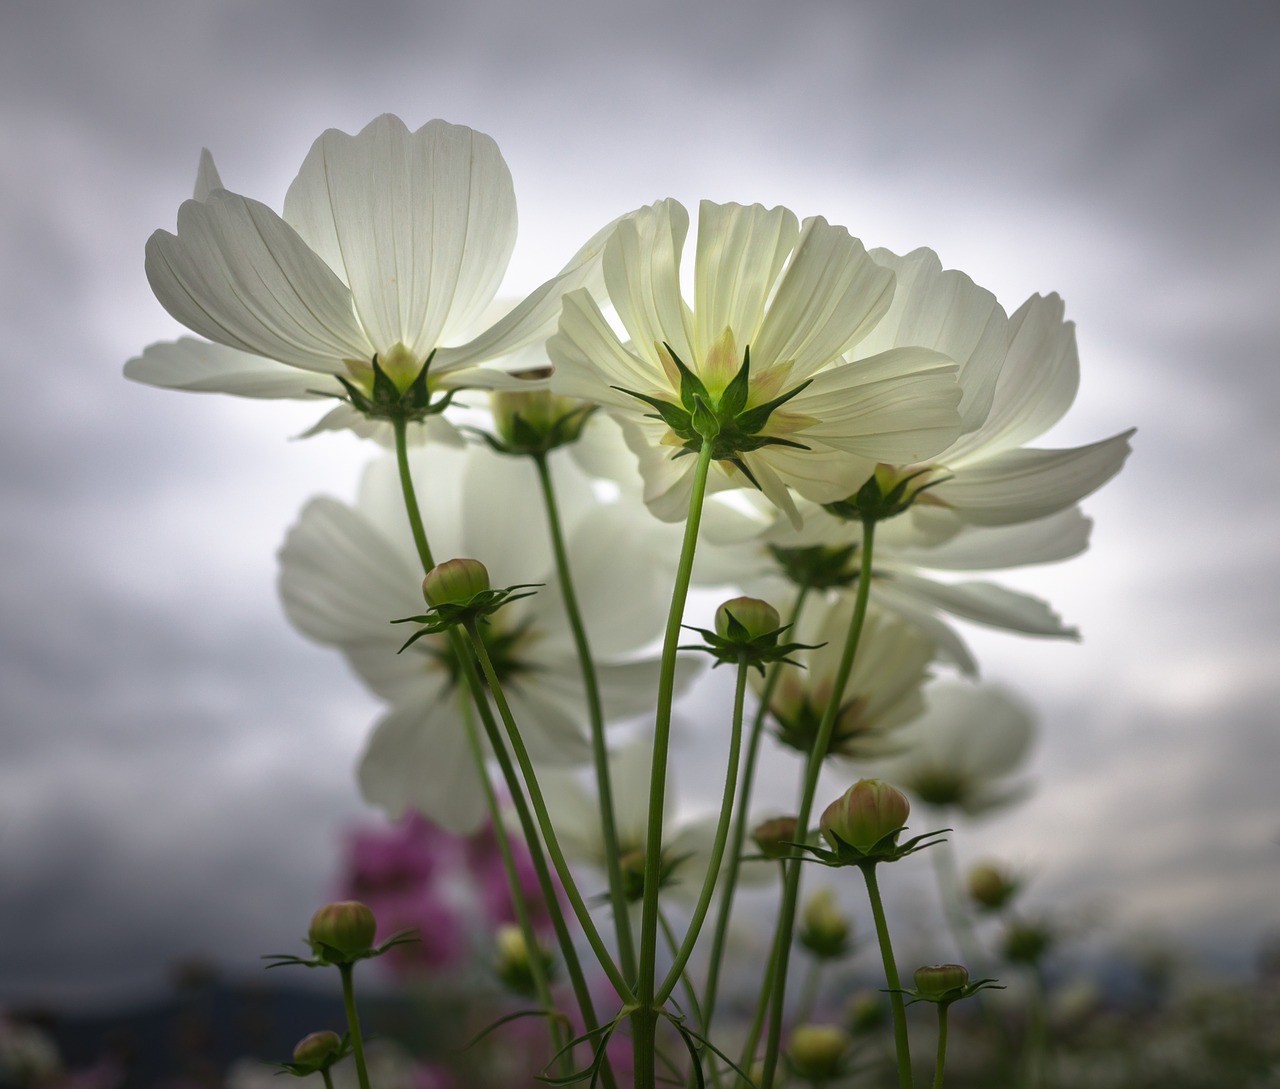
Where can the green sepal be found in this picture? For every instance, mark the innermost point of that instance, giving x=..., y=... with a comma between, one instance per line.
x=968, y=990
x=739, y=646
x=386, y=401
x=530, y=441
x=440, y=618
x=871, y=503
x=885, y=849
x=324, y=956
x=818, y=567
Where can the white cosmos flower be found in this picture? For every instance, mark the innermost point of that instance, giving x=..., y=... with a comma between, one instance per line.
x=1019, y=377
x=883, y=692
x=392, y=243
x=965, y=750
x=347, y=572
x=797, y=296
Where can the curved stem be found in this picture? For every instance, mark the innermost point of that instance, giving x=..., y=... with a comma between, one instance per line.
x=941, y=1060
x=740, y=827
x=353, y=1023
x=328, y=1078
x=717, y=847
x=539, y=806
x=644, y=1019
x=900, y=1043
x=595, y=712
x=411, y=498
x=536, y=968
x=766, y=991
x=821, y=743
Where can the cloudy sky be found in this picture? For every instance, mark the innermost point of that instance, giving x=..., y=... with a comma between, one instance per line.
x=176, y=766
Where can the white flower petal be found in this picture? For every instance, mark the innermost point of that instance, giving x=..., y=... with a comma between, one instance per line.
x=238, y=274
x=984, y=548
x=418, y=757
x=590, y=361
x=204, y=367
x=420, y=225
x=830, y=296
x=1023, y=485
x=951, y=647
x=948, y=312
x=642, y=274
x=740, y=251
x=207, y=178
x=1037, y=383
x=898, y=407
x=989, y=604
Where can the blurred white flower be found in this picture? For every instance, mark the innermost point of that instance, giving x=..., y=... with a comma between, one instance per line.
x=795, y=297
x=392, y=244
x=965, y=751
x=347, y=572
x=884, y=690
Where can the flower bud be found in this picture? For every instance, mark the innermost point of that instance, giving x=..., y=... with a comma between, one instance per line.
x=824, y=930
x=864, y=815
x=536, y=421
x=775, y=836
x=817, y=1051
x=935, y=980
x=455, y=582
x=756, y=616
x=347, y=927
x=318, y=1051
x=1026, y=942
x=990, y=887
x=866, y=1011
x=514, y=961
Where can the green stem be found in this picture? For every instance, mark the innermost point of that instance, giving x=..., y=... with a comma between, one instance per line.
x=809, y=990
x=353, y=1023
x=766, y=992
x=595, y=711
x=942, y=1045
x=539, y=806
x=821, y=743
x=717, y=847
x=740, y=827
x=1036, y=1061
x=536, y=968
x=900, y=1042
x=568, y=952
x=644, y=1020
x=328, y=1078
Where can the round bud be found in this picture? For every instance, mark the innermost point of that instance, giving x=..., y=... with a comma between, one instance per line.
x=866, y=1011
x=455, y=582
x=775, y=836
x=817, y=1051
x=1027, y=942
x=347, y=926
x=864, y=814
x=824, y=930
x=319, y=1050
x=758, y=617
x=935, y=980
x=990, y=887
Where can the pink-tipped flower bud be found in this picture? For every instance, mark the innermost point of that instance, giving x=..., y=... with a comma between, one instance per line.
x=817, y=1052
x=455, y=582
x=775, y=836
x=758, y=617
x=935, y=980
x=318, y=1051
x=864, y=814
x=346, y=926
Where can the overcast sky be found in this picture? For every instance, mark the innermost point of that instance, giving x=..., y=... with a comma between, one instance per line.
x=177, y=761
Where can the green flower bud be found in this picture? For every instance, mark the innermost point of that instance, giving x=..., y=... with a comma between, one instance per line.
x=817, y=1052
x=514, y=961
x=346, y=928
x=824, y=930
x=990, y=887
x=1027, y=942
x=935, y=980
x=536, y=421
x=864, y=815
x=866, y=1011
x=318, y=1051
x=455, y=582
x=758, y=617
x=774, y=836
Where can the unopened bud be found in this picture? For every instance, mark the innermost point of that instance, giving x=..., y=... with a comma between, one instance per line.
x=756, y=616
x=455, y=582
x=817, y=1052
x=864, y=815
x=824, y=930
x=990, y=887
x=347, y=927
x=937, y=979
x=318, y=1051
x=775, y=836
x=1027, y=942
x=866, y=1011
x=514, y=961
